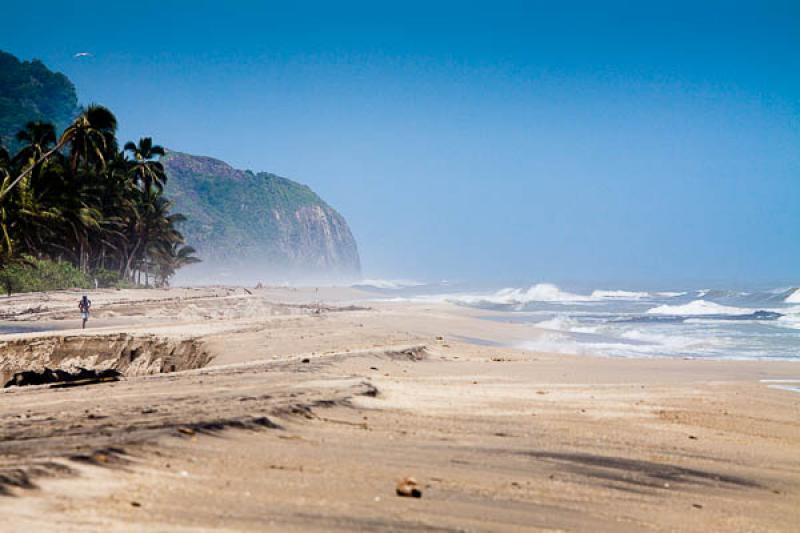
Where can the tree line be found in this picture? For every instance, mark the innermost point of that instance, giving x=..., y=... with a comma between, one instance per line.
x=79, y=198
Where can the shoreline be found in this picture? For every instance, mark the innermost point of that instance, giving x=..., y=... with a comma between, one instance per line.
x=499, y=438
x=119, y=309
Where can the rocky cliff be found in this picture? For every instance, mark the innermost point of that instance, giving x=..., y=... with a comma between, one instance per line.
x=257, y=226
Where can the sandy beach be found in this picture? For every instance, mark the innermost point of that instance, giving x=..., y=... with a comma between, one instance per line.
x=293, y=409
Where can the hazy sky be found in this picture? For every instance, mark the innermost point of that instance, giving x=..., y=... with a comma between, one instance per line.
x=466, y=140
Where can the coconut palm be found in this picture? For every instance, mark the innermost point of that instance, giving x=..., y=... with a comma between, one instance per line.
x=79, y=198
x=145, y=169
x=5, y=162
x=6, y=223
x=169, y=258
x=37, y=138
x=152, y=225
x=91, y=136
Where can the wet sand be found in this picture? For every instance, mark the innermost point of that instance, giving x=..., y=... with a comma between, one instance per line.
x=314, y=404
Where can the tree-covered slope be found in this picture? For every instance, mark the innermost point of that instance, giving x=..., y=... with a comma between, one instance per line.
x=30, y=91
x=258, y=224
x=254, y=226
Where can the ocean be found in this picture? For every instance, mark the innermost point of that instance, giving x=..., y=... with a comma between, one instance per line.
x=686, y=323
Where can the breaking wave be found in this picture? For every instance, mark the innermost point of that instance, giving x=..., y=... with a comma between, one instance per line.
x=698, y=308
x=620, y=295
x=790, y=318
x=549, y=293
x=541, y=292
x=794, y=297
x=633, y=343
x=564, y=323
x=707, y=323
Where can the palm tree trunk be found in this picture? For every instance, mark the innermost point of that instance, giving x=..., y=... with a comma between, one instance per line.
x=27, y=171
x=129, y=262
x=82, y=257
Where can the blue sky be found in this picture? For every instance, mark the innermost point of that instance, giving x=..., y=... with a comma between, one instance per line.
x=636, y=143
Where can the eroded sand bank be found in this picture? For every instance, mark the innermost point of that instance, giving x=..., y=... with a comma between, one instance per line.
x=308, y=406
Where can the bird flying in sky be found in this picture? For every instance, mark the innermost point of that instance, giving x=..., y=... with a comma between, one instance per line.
x=83, y=54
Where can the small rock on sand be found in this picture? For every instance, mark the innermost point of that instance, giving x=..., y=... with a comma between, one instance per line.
x=408, y=487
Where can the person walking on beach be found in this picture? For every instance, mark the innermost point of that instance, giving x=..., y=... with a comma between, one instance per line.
x=84, y=306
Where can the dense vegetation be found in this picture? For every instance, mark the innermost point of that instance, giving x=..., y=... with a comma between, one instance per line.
x=79, y=199
x=42, y=275
x=29, y=91
x=101, y=212
x=232, y=210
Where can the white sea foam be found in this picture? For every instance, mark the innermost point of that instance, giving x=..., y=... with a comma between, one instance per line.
x=615, y=326
x=793, y=298
x=562, y=343
x=698, y=308
x=708, y=321
x=553, y=342
x=672, y=343
x=619, y=295
x=563, y=323
x=559, y=323
x=790, y=318
x=632, y=343
x=790, y=388
x=541, y=292
x=388, y=283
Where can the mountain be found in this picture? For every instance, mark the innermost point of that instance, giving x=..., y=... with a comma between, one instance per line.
x=31, y=91
x=244, y=225
x=257, y=226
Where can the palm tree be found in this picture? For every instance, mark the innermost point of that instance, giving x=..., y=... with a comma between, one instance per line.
x=91, y=135
x=7, y=216
x=145, y=169
x=5, y=170
x=169, y=258
x=37, y=138
x=116, y=199
x=151, y=225
x=79, y=198
x=6, y=222
x=5, y=162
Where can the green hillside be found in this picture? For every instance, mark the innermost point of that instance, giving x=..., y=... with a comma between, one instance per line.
x=258, y=226
x=238, y=218
x=30, y=91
